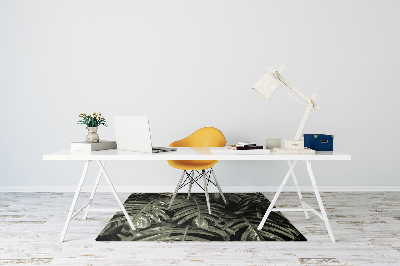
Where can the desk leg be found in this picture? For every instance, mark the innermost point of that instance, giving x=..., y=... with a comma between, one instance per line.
x=93, y=192
x=299, y=192
x=116, y=195
x=271, y=205
x=321, y=205
x=71, y=210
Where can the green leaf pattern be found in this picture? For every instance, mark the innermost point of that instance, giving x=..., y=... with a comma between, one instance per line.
x=189, y=220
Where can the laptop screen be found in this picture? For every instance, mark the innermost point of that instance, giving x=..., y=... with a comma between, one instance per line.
x=132, y=133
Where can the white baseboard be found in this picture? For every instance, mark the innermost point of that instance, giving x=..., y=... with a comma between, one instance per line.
x=212, y=189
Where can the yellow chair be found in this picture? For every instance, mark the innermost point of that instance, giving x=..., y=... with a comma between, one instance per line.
x=204, y=137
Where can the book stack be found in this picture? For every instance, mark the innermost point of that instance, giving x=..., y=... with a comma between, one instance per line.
x=98, y=146
x=245, y=146
x=240, y=148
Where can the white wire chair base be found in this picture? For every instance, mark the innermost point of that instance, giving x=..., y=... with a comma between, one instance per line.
x=191, y=179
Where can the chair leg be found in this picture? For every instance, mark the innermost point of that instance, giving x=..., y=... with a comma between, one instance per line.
x=218, y=186
x=190, y=184
x=206, y=190
x=176, y=190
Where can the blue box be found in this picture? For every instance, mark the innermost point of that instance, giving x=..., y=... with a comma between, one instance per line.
x=318, y=142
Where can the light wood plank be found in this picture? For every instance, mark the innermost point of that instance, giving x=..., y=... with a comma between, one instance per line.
x=366, y=226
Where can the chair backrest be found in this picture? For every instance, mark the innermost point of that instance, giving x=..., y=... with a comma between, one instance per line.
x=204, y=137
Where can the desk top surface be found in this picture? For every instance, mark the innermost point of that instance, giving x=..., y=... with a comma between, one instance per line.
x=192, y=153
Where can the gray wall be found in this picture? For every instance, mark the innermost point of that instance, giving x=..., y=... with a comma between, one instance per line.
x=190, y=64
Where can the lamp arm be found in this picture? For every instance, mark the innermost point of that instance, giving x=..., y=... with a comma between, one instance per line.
x=293, y=88
x=311, y=102
x=305, y=117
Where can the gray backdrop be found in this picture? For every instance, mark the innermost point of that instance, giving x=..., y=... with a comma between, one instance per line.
x=190, y=64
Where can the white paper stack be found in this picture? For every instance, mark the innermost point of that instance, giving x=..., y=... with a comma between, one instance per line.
x=86, y=146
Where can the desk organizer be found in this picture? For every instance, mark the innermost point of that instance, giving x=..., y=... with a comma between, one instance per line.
x=318, y=142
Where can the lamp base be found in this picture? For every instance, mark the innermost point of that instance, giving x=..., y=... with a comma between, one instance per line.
x=293, y=151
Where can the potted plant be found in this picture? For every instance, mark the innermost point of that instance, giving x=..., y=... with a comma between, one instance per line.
x=92, y=123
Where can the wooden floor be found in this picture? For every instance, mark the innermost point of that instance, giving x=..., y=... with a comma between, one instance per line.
x=366, y=226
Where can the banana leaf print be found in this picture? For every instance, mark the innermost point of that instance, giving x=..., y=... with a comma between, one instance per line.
x=164, y=232
x=193, y=211
x=144, y=211
x=189, y=220
x=251, y=209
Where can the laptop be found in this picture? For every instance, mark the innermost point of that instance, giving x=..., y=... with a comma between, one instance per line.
x=133, y=134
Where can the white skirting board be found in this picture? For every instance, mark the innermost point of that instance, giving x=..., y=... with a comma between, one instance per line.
x=211, y=189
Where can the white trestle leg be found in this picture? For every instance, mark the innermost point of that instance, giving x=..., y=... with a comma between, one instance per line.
x=116, y=195
x=71, y=209
x=321, y=205
x=176, y=189
x=190, y=183
x=305, y=207
x=206, y=190
x=218, y=186
x=93, y=192
x=271, y=205
x=299, y=192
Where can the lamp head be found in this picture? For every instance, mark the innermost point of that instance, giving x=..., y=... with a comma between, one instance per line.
x=266, y=86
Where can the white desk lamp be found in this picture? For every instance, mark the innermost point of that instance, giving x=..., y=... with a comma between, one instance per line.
x=266, y=86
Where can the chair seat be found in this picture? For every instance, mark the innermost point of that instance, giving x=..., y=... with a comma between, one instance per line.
x=192, y=164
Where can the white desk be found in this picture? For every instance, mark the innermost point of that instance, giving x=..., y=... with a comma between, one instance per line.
x=193, y=154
